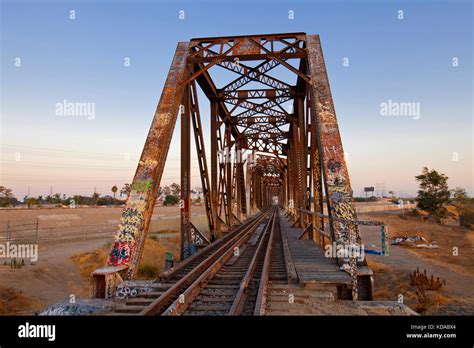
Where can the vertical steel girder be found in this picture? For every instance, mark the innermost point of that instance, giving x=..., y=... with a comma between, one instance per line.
x=202, y=159
x=315, y=167
x=136, y=216
x=338, y=187
x=214, y=167
x=336, y=177
x=187, y=244
x=228, y=174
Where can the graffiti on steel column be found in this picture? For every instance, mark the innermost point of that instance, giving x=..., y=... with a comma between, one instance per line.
x=339, y=194
x=132, y=221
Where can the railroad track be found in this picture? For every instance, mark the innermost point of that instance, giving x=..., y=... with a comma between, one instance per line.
x=178, y=279
x=232, y=276
x=232, y=288
x=274, y=270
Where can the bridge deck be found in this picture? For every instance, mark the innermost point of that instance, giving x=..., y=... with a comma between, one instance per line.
x=312, y=267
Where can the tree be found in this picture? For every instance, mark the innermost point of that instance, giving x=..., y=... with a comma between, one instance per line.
x=460, y=196
x=95, y=198
x=31, y=201
x=77, y=199
x=166, y=190
x=175, y=189
x=434, y=193
x=126, y=189
x=6, y=196
x=465, y=207
x=171, y=200
x=114, y=190
x=106, y=200
x=57, y=198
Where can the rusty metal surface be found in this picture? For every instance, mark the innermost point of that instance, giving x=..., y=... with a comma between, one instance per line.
x=336, y=176
x=138, y=209
x=335, y=167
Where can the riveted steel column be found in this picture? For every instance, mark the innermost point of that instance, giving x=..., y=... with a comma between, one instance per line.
x=185, y=202
x=136, y=216
x=335, y=168
x=214, y=165
x=228, y=173
x=335, y=172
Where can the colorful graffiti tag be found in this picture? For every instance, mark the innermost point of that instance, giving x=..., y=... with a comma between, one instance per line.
x=335, y=169
x=132, y=221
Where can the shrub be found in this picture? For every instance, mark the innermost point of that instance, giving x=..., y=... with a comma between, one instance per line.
x=171, y=200
x=466, y=217
x=433, y=194
x=107, y=200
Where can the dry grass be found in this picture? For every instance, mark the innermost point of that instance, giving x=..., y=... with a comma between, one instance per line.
x=390, y=284
x=13, y=302
x=427, y=291
x=429, y=301
x=447, y=237
x=387, y=281
x=151, y=264
x=378, y=267
x=90, y=261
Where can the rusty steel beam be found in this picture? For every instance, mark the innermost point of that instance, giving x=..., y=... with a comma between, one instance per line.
x=335, y=167
x=214, y=166
x=274, y=36
x=280, y=57
x=336, y=176
x=136, y=215
x=187, y=244
x=228, y=174
x=202, y=159
x=258, y=74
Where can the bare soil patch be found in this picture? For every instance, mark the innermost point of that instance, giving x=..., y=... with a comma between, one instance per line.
x=392, y=273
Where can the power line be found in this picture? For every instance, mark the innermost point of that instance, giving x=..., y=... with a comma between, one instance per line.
x=108, y=156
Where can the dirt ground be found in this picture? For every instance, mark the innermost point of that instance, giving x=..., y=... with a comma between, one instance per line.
x=62, y=268
x=392, y=273
x=163, y=217
x=54, y=277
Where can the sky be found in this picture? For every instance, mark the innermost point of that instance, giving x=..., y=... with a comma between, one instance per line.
x=374, y=54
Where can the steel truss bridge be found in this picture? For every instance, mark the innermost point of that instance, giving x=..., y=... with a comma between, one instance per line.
x=272, y=164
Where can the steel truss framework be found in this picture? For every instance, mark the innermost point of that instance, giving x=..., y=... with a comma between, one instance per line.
x=268, y=138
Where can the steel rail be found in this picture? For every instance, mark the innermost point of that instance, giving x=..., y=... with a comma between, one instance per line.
x=181, y=304
x=174, y=291
x=263, y=284
x=165, y=276
x=240, y=298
